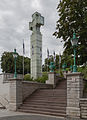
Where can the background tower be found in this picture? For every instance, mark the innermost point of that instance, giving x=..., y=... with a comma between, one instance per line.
x=36, y=45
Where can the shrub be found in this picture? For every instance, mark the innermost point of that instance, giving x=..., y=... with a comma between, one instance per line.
x=43, y=78
x=27, y=77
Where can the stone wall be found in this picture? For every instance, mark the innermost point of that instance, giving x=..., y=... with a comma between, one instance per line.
x=83, y=107
x=85, y=89
x=4, y=92
x=5, y=88
x=29, y=87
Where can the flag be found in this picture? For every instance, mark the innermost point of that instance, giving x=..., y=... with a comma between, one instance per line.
x=23, y=48
x=47, y=53
x=54, y=56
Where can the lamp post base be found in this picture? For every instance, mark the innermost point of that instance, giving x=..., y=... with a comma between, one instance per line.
x=15, y=75
x=74, y=68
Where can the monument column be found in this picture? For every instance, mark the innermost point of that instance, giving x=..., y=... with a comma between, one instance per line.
x=36, y=45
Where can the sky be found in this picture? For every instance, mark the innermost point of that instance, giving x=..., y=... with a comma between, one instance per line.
x=15, y=16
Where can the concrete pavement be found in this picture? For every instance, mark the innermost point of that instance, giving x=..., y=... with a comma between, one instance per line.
x=10, y=115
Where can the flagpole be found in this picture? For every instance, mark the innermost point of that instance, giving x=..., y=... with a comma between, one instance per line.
x=59, y=66
x=47, y=58
x=23, y=59
x=59, y=62
x=54, y=58
x=47, y=65
x=23, y=66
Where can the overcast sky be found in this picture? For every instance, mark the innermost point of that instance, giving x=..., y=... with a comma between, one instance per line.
x=15, y=16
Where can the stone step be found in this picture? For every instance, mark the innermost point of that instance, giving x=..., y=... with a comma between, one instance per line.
x=46, y=101
x=43, y=112
x=43, y=106
x=47, y=97
x=47, y=90
x=44, y=109
x=50, y=93
x=55, y=91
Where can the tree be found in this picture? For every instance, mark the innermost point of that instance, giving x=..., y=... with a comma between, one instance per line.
x=7, y=63
x=73, y=16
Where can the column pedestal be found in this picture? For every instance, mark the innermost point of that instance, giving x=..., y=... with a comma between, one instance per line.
x=15, y=94
x=52, y=79
x=74, y=93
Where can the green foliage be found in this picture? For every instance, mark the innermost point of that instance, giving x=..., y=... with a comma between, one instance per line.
x=27, y=77
x=7, y=63
x=47, y=63
x=42, y=79
x=73, y=16
x=83, y=70
x=60, y=73
x=68, y=59
x=45, y=67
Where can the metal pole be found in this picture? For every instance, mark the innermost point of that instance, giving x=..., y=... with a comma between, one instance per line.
x=59, y=66
x=23, y=66
x=15, y=75
x=59, y=63
x=74, y=67
x=74, y=57
x=47, y=65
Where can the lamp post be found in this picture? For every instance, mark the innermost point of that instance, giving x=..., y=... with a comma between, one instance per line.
x=52, y=66
x=15, y=56
x=64, y=66
x=74, y=42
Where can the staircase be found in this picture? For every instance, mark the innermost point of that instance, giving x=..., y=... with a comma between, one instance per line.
x=47, y=101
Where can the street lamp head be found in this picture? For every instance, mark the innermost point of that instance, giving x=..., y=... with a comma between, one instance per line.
x=15, y=54
x=74, y=40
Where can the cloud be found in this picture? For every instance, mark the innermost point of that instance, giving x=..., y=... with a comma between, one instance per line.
x=15, y=16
